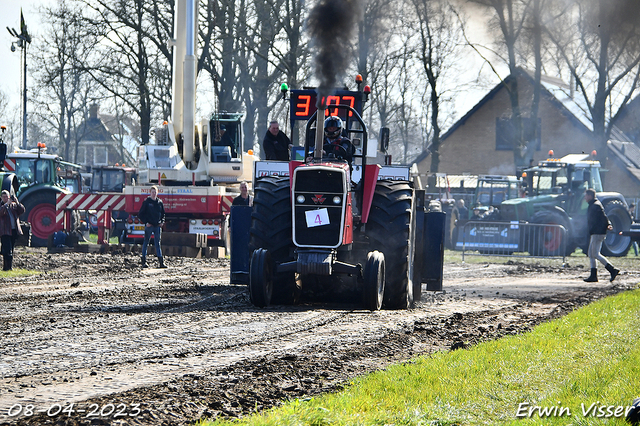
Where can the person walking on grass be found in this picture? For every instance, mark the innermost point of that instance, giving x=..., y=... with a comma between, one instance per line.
x=152, y=215
x=598, y=224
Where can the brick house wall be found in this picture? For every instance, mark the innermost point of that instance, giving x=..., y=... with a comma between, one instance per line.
x=470, y=145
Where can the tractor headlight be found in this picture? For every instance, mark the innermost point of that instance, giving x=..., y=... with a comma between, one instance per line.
x=336, y=200
x=300, y=199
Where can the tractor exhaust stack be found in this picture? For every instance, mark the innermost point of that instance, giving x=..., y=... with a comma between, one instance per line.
x=317, y=152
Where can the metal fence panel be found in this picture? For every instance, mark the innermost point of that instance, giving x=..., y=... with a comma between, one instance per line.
x=513, y=239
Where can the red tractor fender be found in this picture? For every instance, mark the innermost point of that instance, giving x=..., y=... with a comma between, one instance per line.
x=370, y=180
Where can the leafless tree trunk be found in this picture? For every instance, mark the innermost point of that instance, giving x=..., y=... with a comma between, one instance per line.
x=60, y=81
x=510, y=18
x=440, y=36
x=604, y=60
x=133, y=55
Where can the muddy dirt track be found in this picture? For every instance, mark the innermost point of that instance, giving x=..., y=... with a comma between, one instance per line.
x=95, y=339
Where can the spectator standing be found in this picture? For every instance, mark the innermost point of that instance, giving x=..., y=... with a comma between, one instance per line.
x=244, y=199
x=463, y=211
x=460, y=216
x=276, y=144
x=598, y=224
x=10, y=211
x=152, y=215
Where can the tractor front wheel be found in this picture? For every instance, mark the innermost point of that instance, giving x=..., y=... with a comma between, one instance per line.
x=374, y=281
x=260, y=278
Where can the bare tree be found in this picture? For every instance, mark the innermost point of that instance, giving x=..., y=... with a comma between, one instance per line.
x=60, y=82
x=10, y=121
x=132, y=56
x=602, y=53
x=9, y=117
x=440, y=38
x=511, y=18
x=4, y=102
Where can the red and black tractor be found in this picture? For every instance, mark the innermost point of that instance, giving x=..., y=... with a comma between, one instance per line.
x=336, y=221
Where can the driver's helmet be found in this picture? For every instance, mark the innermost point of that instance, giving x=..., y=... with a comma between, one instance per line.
x=334, y=122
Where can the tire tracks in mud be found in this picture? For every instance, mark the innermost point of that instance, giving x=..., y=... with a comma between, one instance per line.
x=172, y=323
x=185, y=343
x=85, y=351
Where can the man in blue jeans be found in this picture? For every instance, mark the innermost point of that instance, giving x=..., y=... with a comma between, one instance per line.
x=152, y=215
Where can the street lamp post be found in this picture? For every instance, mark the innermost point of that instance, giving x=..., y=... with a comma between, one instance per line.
x=23, y=40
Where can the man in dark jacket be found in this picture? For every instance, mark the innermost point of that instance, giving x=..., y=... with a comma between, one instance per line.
x=244, y=199
x=152, y=215
x=598, y=224
x=276, y=144
x=10, y=211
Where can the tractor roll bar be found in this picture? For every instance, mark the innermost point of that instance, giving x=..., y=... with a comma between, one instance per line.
x=355, y=116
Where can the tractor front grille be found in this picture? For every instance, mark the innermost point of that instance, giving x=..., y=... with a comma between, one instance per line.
x=318, y=219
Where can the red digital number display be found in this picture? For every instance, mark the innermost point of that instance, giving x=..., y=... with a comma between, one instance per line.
x=304, y=105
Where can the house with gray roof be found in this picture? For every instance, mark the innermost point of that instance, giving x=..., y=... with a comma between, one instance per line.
x=107, y=140
x=479, y=143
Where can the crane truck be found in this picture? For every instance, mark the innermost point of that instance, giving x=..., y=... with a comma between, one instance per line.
x=192, y=163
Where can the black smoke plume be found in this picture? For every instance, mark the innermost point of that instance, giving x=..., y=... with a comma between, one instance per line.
x=331, y=25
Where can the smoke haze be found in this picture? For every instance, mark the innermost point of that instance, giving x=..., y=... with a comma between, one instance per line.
x=331, y=24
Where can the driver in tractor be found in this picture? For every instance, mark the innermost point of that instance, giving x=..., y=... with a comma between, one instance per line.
x=335, y=144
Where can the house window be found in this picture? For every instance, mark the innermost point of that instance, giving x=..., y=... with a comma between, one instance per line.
x=100, y=155
x=506, y=135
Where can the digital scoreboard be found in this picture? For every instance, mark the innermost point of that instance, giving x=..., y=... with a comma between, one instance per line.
x=303, y=103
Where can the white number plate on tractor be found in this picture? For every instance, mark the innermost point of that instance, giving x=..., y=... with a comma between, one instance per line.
x=317, y=217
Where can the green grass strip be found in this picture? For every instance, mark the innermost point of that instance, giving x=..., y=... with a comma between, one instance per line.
x=587, y=361
x=18, y=273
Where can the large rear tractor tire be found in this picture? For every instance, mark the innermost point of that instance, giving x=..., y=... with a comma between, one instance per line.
x=550, y=240
x=390, y=230
x=616, y=245
x=271, y=230
x=40, y=212
x=374, y=280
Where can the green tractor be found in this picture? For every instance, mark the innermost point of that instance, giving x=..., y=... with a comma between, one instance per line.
x=34, y=177
x=554, y=196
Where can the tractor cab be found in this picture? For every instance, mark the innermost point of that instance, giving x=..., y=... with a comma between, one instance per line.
x=112, y=178
x=32, y=167
x=224, y=139
x=570, y=174
x=492, y=190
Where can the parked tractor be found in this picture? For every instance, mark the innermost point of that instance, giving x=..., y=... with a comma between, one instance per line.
x=36, y=178
x=555, y=190
x=330, y=222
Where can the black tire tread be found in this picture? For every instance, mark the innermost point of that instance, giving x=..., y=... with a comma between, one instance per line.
x=271, y=230
x=388, y=229
x=619, y=208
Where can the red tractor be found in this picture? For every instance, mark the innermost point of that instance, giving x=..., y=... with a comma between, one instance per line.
x=333, y=219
